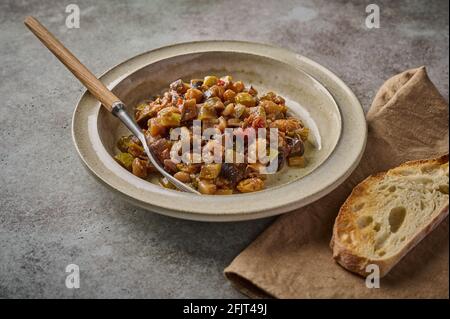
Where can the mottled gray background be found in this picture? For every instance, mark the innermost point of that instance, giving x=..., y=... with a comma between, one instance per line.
x=53, y=213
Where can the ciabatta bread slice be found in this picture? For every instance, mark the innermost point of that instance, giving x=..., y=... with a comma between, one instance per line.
x=389, y=213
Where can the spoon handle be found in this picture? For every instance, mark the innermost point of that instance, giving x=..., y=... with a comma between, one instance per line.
x=111, y=102
x=89, y=80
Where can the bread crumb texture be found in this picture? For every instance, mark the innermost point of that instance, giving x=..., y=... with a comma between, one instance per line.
x=390, y=212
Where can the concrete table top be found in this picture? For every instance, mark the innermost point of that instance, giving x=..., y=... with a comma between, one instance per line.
x=53, y=213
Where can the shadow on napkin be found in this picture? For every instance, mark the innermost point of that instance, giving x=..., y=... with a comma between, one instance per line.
x=408, y=120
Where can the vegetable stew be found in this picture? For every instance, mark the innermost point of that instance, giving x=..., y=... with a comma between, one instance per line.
x=221, y=104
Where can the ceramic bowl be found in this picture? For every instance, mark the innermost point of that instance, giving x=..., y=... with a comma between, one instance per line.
x=314, y=94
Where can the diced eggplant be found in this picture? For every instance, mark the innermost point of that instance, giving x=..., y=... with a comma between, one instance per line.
x=161, y=149
x=147, y=112
x=296, y=145
x=170, y=166
x=281, y=160
x=175, y=98
x=214, y=91
x=284, y=150
x=252, y=91
x=139, y=168
x=188, y=110
x=233, y=172
x=178, y=86
x=196, y=83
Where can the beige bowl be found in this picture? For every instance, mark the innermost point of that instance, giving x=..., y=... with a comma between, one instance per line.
x=314, y=94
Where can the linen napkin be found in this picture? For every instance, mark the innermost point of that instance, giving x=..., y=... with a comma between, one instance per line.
x=408, y=120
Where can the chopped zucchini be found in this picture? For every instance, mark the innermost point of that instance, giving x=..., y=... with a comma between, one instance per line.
x=210, y=80
x=123, y=143
x=125, y=159
x=245, y=98
x=210, y=171
x=207, y=112
x=169, y=117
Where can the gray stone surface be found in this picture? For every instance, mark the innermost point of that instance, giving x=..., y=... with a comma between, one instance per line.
x=53, y=213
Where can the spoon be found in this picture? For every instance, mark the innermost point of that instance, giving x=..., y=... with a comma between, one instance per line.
x=111, y=102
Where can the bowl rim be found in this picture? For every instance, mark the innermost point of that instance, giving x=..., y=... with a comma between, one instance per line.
x=199, y=207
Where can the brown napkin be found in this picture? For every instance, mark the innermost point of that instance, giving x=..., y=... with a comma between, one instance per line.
x=291, y=259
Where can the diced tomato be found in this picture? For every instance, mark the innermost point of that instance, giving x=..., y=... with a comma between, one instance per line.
x=259, y=122
x=179, y=101
x=221, y=82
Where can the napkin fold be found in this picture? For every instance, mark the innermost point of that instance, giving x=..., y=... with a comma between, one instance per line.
x=408, y=120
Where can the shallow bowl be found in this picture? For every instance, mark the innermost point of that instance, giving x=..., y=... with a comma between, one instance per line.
x=313, y=93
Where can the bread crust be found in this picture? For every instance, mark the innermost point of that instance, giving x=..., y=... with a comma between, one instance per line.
x=357, y=264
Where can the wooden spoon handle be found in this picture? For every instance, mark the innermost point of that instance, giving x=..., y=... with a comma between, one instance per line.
x=97, y=88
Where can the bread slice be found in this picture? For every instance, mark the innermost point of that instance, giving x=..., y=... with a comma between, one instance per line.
x=387, y=214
